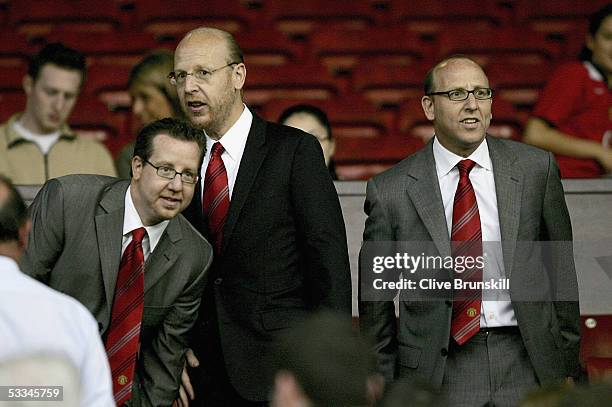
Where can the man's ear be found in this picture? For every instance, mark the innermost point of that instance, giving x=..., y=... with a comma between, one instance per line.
x=239, y=76
x=24, y=232
x=428, y=107
x=27, y=83
x=137, y=165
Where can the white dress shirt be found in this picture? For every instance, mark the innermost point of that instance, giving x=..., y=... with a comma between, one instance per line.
x=233, y=141
x=493, y=313
x=37, y=320
x=131, y=221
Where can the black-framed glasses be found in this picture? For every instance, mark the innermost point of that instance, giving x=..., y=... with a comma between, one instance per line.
x=457, y=95
x=179, y=77
x=170, y=173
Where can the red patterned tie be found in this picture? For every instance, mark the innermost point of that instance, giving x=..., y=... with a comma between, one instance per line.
x=466, y=238
x=123, y=338
x=216, y=196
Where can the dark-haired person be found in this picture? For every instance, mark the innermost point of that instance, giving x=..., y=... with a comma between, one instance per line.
x=91, y=238
x=153, y=98
x=573, y=117
x=314, y=121
x=37, y=145
x=37, y=323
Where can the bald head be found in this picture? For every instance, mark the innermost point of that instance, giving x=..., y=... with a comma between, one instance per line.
x=215, y=35
x=430, y=83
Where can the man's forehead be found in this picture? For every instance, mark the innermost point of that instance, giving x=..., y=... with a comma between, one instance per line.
x=201, y=46
x=459, y=71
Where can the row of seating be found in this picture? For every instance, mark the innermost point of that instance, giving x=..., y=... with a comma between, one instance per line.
x=293, y=18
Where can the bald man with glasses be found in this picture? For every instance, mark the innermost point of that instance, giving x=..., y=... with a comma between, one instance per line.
x=471, y=195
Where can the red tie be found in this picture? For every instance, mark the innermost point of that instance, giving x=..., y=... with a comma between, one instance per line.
x=466, y=238
x=216, y=196
x=123, y=338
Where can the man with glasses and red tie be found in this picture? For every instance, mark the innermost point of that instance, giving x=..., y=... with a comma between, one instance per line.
x=467, y=194
x=122, y=249
x=269, y=207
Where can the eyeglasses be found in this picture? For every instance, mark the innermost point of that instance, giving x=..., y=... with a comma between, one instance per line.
x=179, y=77
x=462, y=94
x=170, y=173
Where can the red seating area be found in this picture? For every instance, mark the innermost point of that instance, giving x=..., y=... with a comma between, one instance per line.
x=363, y=61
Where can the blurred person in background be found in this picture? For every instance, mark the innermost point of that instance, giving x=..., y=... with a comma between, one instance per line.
x=153, y=98
x=313, y=120
x=573, y=117
x=37, y=145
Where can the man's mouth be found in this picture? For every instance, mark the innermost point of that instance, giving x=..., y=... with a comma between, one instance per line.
x=196, y=106
x=470, y=120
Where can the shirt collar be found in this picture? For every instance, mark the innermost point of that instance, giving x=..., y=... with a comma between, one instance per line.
x=7, y=264
x=447, y=160
x=235, y=138
x=594, y=73
x=14, y=137
x=131, y=221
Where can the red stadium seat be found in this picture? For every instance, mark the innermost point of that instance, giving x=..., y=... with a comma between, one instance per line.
x=341, y=51
x=91, y=118
x=39, y=17
x=518, y=84
x=11, y=103
x=268, y=47
x=390, y=85
x=299, y=19
x=433, y=16
x=510, y=45
x=11, y=78
x=596, y=345
x=122, y=48
x=15, y=49
x=291, y=81
x=175, y=17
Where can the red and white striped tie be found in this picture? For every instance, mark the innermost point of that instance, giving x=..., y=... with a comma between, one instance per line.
x=466, y=240
x=123, y=341
x=215, y=202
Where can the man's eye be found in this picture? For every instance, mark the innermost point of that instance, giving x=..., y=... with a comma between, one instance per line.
x=166, y=170
x=455, y=93
x=202, y=73
x=181, y=75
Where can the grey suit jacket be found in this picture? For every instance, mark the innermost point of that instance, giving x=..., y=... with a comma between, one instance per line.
x=405, y=204
x=75, y=247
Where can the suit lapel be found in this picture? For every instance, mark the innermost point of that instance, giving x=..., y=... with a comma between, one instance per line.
x=164, y=255
x=254, y=153
x=509, y=188
x=427, y=199
x=109, y=229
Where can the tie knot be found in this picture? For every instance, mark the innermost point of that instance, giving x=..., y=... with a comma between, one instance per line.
x=139, y=234
x=217, y=149
x=465, y=166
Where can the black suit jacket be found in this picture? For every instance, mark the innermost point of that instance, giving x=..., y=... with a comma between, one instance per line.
x=284, y=253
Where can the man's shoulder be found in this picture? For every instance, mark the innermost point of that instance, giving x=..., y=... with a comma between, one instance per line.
x=191, y=236
x=84, y=187
x=402, y=169
x=519, y=151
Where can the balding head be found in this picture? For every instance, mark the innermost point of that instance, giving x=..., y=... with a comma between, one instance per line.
x=430, y=85
x=210, y=65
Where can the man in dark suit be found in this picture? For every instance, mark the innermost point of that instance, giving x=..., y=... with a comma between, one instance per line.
x=88, y=231
x=269, y=207
x=476, y=350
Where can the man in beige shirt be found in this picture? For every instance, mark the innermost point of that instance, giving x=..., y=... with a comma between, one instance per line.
x=38, y=144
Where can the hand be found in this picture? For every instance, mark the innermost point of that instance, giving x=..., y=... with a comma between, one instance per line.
x=605, y=159
x=186, y=389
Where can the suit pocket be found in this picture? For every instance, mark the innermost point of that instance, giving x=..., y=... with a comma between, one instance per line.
x=409, y=356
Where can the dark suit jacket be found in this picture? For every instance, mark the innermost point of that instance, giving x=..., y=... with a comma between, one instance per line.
x=75, y=248
x=405, y=204
x=284, y=252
